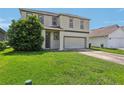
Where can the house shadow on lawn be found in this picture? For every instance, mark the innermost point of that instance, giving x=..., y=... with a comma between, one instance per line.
x=12, y=52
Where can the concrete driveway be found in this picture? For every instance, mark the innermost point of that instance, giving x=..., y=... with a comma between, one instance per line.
x=116, y=58
x=121, y=48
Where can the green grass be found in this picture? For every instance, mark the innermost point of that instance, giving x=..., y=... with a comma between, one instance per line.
x=110, y=50
x=47, y=67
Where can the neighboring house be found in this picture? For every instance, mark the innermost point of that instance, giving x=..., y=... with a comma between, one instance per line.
x=109, y=37
x=2, y=34
x=62, y=31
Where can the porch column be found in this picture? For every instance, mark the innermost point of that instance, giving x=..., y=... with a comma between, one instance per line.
x=44, y=35
x=87, y=42
x=61, y=40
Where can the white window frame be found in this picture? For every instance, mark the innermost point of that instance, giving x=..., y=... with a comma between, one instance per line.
x=41, y=18
x=56, y=35
x=54, y=21
x=81, y=24
x=71, y=25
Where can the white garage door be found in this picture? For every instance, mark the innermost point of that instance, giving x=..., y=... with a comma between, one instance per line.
x=117, y=43
x=74, y=42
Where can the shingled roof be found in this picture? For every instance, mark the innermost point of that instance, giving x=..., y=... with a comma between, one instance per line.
x=104, y=31
x=51, y=13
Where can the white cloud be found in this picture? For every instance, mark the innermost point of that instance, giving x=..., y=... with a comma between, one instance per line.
x=121, y=10
x=5, y=26
x=4, y=23
x=2, y=20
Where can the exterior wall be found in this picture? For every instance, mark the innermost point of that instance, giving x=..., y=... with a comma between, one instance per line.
x=23, y=14
x=44, y=35
x=73, y=34
x=54, y=44
x=47, y=18
x=117, y=34
x=97, y=41
x=116, y=39
x=2, y=36
x=48, y=21
x=64, y=23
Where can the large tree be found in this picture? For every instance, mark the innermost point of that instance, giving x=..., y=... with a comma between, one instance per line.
x=25, y=34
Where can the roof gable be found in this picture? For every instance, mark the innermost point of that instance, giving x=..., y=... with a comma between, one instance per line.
x=104, y=31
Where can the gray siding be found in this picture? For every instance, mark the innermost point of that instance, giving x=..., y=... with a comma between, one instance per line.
x=2, y=36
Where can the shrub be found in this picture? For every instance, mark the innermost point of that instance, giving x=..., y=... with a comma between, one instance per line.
x=7, y=43
x=25, y=34
x=2, y=45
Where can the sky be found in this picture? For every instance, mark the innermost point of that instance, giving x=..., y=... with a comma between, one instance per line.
x=99, y=17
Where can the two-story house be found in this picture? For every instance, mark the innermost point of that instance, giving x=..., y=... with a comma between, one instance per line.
x=62, y=31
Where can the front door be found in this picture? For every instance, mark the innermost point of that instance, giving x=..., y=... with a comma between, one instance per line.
x=47, y=39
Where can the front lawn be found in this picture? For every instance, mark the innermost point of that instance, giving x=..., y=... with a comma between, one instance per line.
x=110, y=50
x=47, y=67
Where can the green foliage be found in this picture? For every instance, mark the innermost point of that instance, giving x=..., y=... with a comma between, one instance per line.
x=7, y=43
x=2, y=45
x=25, y=34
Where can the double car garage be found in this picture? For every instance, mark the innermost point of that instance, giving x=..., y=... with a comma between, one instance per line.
x=74, y=42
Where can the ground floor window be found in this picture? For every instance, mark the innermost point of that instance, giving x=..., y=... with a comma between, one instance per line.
x=56, y=35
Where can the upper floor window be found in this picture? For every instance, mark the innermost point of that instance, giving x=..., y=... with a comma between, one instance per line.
x=28, y=14
x=71, y=23
x=54, y=21
x=81, y=25
x=41, y=18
